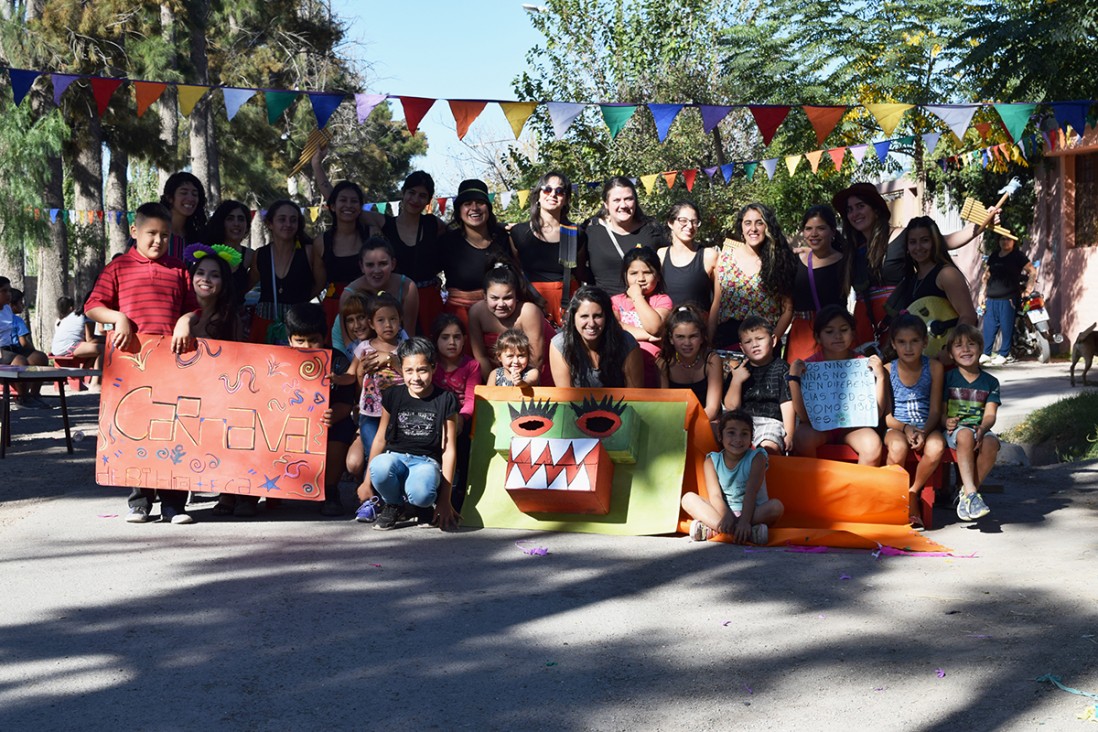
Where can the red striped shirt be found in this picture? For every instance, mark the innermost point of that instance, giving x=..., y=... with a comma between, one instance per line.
x=153, y=293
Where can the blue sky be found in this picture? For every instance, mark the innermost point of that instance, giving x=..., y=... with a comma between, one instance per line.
x=443, y=50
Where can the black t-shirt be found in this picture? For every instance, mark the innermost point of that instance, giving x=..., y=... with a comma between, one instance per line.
x=416, y=425
x=421, y=262
x=829, y=286
x=603, y=256
x=766, y=389
x=341, y=394
x=464, y=264
x=1004, y=275
x=540, y=259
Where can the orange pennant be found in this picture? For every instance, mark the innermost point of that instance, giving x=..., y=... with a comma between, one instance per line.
x=824, y=119
x=688, y=177
x=814, y=159
x=147, y=92
x=465, y=113
x=670, y=177
x=838, y=154
x=984, y=128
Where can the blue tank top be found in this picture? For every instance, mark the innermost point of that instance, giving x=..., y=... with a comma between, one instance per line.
x=911, y=403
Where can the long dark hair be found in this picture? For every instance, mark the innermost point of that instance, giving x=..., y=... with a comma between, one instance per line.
x=938, y=254
x=535, y=200
x=223, y=320
x=838, y=242
x=195, y=226
x=683, y=315
x=620, y=181
x=779, y=266
x=876, y=245
x=215, y=229
x=611, y=349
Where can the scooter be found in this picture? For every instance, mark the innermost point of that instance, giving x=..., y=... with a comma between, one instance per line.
x=1032, y=335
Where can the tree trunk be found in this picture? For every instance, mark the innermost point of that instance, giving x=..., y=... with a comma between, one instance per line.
x=203, y=142
x=89, y=236
x=169, y=107
x=118, y=231
x=13, y=259
x=53, y=255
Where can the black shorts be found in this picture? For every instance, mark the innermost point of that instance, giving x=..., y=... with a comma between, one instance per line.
x=344, y=431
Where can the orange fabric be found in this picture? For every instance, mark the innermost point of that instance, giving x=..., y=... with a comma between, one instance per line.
x=800, y=343
x=863, y=326
x=430, y=307
x=553, y=293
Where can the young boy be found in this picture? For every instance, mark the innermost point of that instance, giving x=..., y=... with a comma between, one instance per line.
x=759, y=387
x=145, y=291
x=413, y=455
x=11, y=351
x=972, y=400
x=23, y=345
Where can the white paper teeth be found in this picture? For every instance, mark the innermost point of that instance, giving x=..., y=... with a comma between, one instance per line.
x=582, y=482
x=518, y=444
x=514, y=478
x=582, y=448
x=538, y=479
x=557, y=448
x=560, y=483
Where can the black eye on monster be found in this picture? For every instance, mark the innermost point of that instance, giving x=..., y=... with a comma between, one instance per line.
x=598, y=418
x=532, y=418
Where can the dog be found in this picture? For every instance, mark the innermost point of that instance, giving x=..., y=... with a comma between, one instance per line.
x=1086, y=345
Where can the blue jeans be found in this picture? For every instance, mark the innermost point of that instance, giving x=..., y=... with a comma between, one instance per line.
x=396, y=475
x=998, y=316
x=367, y=429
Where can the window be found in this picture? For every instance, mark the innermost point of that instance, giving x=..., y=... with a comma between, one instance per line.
x=1086, y=200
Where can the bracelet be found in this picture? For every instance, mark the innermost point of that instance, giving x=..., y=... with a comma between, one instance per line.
x=792, y=378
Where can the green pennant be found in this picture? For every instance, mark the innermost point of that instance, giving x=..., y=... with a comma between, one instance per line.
x=382, y=207
x=131, y=216
x=1015, y=117
x=277, y=102
x=616, y=115
x=492, y=198
x=749, y=168
x=907, y=140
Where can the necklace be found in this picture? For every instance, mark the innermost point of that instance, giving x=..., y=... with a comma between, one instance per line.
x=693, y=365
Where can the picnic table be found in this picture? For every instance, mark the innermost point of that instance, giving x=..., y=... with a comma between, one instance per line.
x=14, y=375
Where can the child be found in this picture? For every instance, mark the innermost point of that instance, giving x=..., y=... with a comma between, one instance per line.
x=70, y=337
x=972, y=400
x=644, y=306
x=460, y=375
x=916, y=383
x=760, y=387
x=513, y=352
x=414, y=452
x=834, y=333
x=145, y=291
x=22, y=344
x=356, y=323
x=505, y=306
x=735, y=481
x=687, y=362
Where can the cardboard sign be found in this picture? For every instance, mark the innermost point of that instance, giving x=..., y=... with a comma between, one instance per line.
x=840, y=394
x=227, y=417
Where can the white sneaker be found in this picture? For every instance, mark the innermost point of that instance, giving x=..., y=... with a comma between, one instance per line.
x=760, y=535
x=997, y=360
x=984, y=359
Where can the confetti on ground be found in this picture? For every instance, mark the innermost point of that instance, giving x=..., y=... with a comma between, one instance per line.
x=550, y=663
x=880, y=688
x=806, y=549
x=978, y=635
x=1056, y=680
x=844, y=576
x=890, y=551
x=748, y=689
x=108, y=515
x=535, y=551
x=941, y=673
x=726, y=623
x=375, y=565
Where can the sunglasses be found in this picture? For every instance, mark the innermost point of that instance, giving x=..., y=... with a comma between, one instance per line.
x=551, y=191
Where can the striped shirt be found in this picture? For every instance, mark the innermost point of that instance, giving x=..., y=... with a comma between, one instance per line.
x=153, y=293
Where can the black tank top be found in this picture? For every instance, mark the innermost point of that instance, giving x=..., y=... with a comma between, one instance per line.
x=295, y=287
x=829, y=286
x=423, y=261
x=340, y=270
x=690, y=283
x=700, y=388
x=540, y=259
x=240, y=282
x=916, y=289
x=603, y=256
x=464, y=264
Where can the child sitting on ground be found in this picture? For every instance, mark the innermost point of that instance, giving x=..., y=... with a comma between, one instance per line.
x=759, y=387
x=972, y=401
x=413, y=456
x=735, y=481
x=513, y=352
x=916, y=383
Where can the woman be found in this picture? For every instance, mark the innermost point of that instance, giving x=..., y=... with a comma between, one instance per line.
x=536, y=244
x=185, y=198
x=593, y=351
x=283, y=270
x=933, y=288
x=1002, y=291
x=376, y=267
x=822, y=278
x=880, y=251
x=753, y=276
x=618, y=227
x=687, y=266
x=473, y=243
x=335, y=252
x=230, y=226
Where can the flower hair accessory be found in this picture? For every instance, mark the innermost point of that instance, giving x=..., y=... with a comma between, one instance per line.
x=197, y=251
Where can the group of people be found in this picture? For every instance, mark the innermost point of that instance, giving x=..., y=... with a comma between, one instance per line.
x=419, y=311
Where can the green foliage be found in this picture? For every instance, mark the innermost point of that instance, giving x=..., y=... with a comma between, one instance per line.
x=1071, y=425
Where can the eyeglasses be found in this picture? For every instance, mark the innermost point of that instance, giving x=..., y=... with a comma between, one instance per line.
x=683, y=221
x=551, y=191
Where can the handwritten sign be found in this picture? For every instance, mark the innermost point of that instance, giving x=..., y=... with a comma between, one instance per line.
x=840, y=394
x=227, y=417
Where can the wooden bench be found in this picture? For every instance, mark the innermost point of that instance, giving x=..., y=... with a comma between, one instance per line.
x=10, y=379
x=71, y=362
x=938, y=479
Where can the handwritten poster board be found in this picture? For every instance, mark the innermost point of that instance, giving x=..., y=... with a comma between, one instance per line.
x=840, y=394
x=227, y=417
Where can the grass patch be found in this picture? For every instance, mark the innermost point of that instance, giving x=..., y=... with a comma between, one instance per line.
x=1071, y=425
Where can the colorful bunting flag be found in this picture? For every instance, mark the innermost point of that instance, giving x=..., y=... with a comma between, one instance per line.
x=234, y=99
x=712, y=116
x=930, y=141
x=324, y=106
x=277, y=103
x=523, y=197
x=984, y=129
x=709, y=172
x=616, y=115
x=769, y=118
x=663, y=115
x=858, y=151
x=189, y=94
x=562, y=115
x=1067, y=113
x=957, y=117
x=648, y=181
x=888, y=115
x=102, y=90
x=441, y=205
x=381, y=206
x=838, y=154
x=726, y=172
x=824, y=119
x=415, y=109
x=688, y=177
x=791, y=162
x=21, y=82
x=814, y=158
x=1015, y=117
x=670, y=177
x=61, y=82
x=365, y=103
x=517, y=113
x=146, y=93
x=465, y=113
x=749, y=169
x=881, y=148
x=505, y=198
x=770, y=165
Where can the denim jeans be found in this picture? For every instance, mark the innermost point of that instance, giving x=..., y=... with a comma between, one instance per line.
x=998, y=315
x=367, y=430
x=398, y=476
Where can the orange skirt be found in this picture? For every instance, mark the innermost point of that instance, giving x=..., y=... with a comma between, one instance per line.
x=553, y=293
x=868, y=311
x=800, y=343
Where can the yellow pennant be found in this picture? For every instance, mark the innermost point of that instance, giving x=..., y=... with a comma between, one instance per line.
x=523, y=197
x=888, y=115
x=189, y=94
x=314, y=213
x=791, y=162
x=517, y=113
x=814, y=159
x=648, y=181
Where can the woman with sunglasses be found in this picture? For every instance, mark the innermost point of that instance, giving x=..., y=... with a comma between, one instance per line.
x=618, y=227
x=687, y=265
x=536, y=244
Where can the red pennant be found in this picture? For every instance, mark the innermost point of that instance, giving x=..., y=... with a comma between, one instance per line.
x=670, y=177
x=838, y=154
x=824, y=120
x=415, y=108
x=984, y=128
x=251, y=214
x=688, y=177
x=442, y=206
x=102, y=89
x=769, y=119
x=147, y=92
x=464, y=114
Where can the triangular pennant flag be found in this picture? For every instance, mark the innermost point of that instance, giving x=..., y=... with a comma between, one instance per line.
x=824, y=119
x=21, y=82
x=102, y=90
x=688, y=177
x=985, y=159
x=770, y=165
x=726, y=171
x=956, y=116
x=907, y=140
x=365, y=103
x=888, y=115
x=749, y=169
x=189, y=94
x=670, y=177
x=648, y=181
x=314, y=213
x=616, y=115
x=712, y=116
x=53, y=215
x=523, y=197
x=930, y=141
x=791, y=162
x=492, y=197
x=838, y=154
x=442, y=206
x=147, y=92
x=324, y=106
x=562, y=115
x=517, y=113
x=1067, y=113
x=769, y=118
x=505, y=198
x=984, y=129
x=881, y=148
x=814, y=158
x=1015, y=117
x=858, y=151
x=634, y=181
x=709, y=172
x=415, y=109
x=381, y=207
x=465, y=113
x=277, y=103
x=944, y=162
x=663, y=115
x=234, y=99
x=60, y=84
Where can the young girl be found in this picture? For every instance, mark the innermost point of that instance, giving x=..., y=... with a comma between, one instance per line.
x=504, y=306
x=355, y=322
x=413, y=455
x=687, y=362
x=513, y=353
x=643, y=307
x=735, y=481
x=834, y=332
x=459, y=374
x=376, y=262
x=916, y=383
